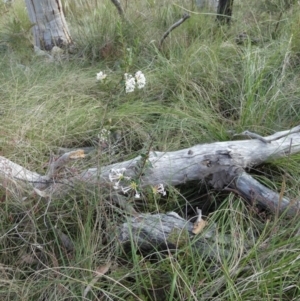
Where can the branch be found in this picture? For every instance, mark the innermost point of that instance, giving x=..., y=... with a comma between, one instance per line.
x=117, y=4
x=223, y=161
x=272, y=137
x=203, y=160
x=16, y=174
x=161, y=232
x=12, y=173
x=255, y=192
x=258, y=193
x=184, y=17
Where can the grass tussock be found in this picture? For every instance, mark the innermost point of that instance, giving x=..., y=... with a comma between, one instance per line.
x=206, y=83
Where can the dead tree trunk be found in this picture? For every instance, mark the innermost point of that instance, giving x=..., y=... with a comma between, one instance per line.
x=207, y=4
x=224, y=11
x=50, y=27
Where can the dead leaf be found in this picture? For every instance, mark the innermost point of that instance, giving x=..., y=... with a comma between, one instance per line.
x=99, y=272
x=42, y=193
x=103, y=269
x=28, y=259
x=198, y=226
x=78, y=154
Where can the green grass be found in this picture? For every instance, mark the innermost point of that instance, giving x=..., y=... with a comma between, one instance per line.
x=200, y=88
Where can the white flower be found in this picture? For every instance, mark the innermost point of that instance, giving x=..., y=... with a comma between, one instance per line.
x=132, y=186
x=129, y=83
x=159, y=189
x=104, y=135
x=117, y=175
x=140, y=79
x=116, y=186
x=101, y=76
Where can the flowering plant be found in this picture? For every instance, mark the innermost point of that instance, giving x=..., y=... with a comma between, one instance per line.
x=131, y=82
x=101, y=76
x=118, y=178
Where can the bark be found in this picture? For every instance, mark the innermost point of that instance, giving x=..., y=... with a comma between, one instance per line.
x=209, y=4
x=224, y=11
x=50, y=28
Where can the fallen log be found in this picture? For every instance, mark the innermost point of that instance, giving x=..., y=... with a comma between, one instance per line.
x=169, y=232
x=223, y=161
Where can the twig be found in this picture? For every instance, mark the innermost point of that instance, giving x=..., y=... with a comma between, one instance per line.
x=144, y=159
x=253, y=135
x=277, y=25
x=184, y=17
x=270, y=138
x=117, y=4
x=282, y=134
x=199, y=212
x=55, y=166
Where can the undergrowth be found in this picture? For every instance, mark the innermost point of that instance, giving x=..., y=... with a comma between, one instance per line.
x=207, y=83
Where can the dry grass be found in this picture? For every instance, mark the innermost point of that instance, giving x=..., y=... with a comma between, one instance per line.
x=200, y=88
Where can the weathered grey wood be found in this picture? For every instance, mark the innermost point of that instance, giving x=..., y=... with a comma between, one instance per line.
x=50, y=27
x=200, y=161
x=236, y=178
x=258, y=193
x=160, y=232
x=223, y=161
